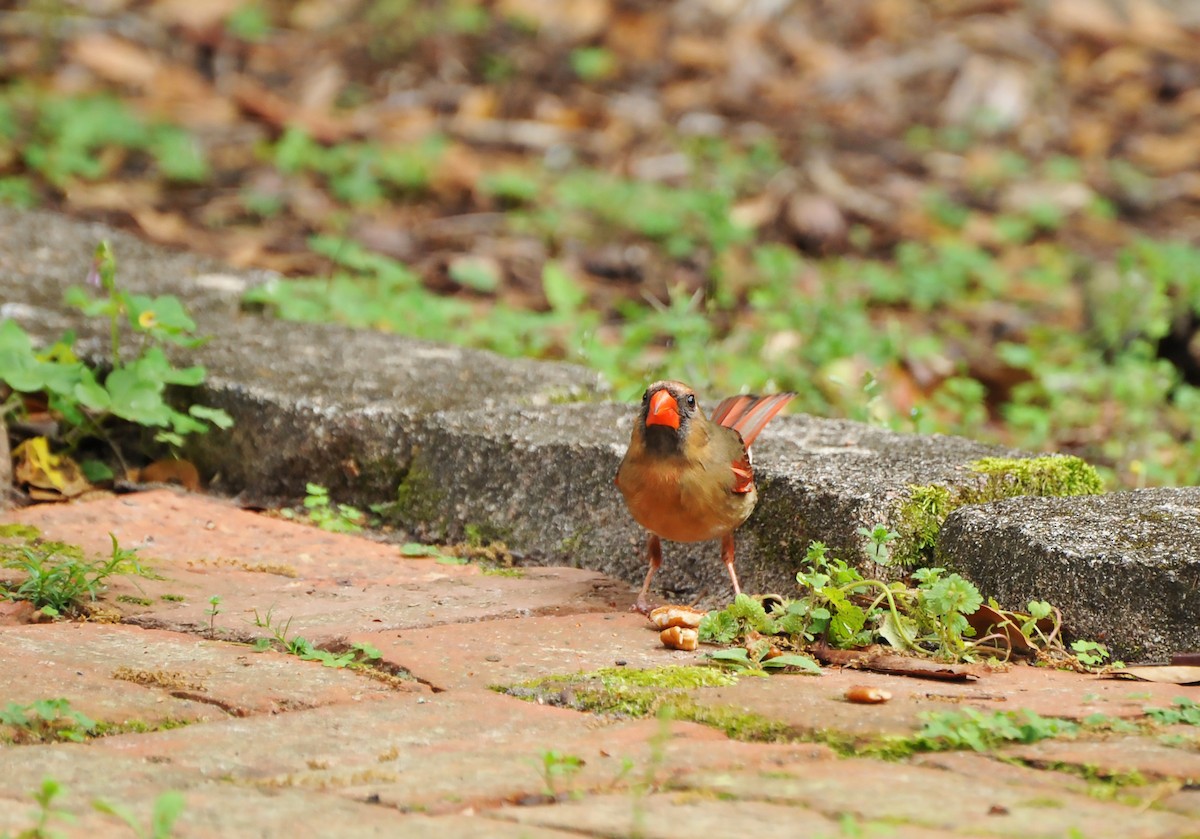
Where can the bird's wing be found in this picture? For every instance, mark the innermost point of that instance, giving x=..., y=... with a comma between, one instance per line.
x=731, y=407
x=748, y=415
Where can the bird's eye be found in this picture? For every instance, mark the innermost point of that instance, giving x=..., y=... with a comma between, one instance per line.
x=645, y=397
x=691, y=400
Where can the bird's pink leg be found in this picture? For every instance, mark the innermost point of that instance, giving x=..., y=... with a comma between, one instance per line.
x=727, y=558
x=654, y=557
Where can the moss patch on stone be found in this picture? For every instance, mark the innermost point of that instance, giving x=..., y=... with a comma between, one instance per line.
x=920, y=518
x=419, y=502
x=1061, y=475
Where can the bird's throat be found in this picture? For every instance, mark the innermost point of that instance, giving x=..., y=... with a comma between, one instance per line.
x=663, y=440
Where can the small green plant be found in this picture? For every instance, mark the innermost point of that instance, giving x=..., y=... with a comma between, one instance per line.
x=58, y=578
x=214, y=609
x=168, y=807
x=972, y=729
x=133, y=389
x=47, y=721
x=840, y=607
x=593, y=64
x=44, y=797
x=878, y=538
x=1182, y=711
x=558, y=766
x=1090, y=653
x=359, y=654
x=754, y=661
x=325, y=514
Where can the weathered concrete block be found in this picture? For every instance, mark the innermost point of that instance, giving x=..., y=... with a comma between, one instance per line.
x=340, y=407
x=1123, y=567
x=310, y=402
x=542, y=480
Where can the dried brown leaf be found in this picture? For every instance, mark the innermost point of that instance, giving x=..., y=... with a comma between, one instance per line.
x=1166, y=674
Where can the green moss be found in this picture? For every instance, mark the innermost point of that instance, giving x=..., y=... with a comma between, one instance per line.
x=136, y=601
x=678, y=677
x=109, y=729
x=627, y=692
x=1102, y=784
x=419, y=501
x=478, y=534
x=25, y=532
x=1061, y=475
x=571, y=545
x=737, y=723
x=172, y=598
x=920, y=518
x=502, y=572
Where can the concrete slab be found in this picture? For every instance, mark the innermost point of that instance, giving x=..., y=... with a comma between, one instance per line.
x=541, y=478
x=1123, y=567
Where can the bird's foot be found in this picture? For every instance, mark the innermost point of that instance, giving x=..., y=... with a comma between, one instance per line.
x=641, y=607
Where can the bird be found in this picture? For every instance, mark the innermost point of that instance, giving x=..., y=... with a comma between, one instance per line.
x=688, y=478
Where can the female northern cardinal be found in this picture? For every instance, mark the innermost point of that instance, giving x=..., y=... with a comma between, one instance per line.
x=687, y=478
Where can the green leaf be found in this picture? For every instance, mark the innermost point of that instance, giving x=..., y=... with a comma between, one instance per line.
x=168, y=807
x=475, y=273
x=733, y=655
x=96, y=471
x=165, y=314
x=564, y=293
x=718, y=627
x=137, y=399
x=90, y=393
x=1039, y=609
x=216, y=416
x=847, y=622
x=803, y=662
x=751, y=614
x=952, y=594
x=897, y=630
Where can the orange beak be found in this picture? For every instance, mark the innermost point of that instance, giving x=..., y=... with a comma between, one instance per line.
x=663, y=410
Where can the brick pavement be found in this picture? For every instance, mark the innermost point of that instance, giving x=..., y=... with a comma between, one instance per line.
x=267, y=744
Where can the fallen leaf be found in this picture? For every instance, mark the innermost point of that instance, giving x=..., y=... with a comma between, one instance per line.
x=171, y=471
x=986, y=621
x=115, y=59
x=1165, y=674
x=47, y=476
x=873, y=658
